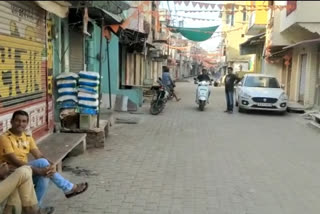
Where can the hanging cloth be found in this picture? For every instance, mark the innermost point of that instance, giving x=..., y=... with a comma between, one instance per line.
x=195, y=34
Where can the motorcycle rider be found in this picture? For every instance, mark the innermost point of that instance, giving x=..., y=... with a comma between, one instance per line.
x=167, y=81
x=204, y=77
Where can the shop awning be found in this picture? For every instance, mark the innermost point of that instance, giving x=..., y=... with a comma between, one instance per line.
x=115, y=7
x=250, y=46
x=98, y=10
x=58, y=8
x=275, y=52
x=109, y=18
x=195, y=34
x=304, y=42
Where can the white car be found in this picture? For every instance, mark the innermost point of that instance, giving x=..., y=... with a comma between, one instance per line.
x=260, y=92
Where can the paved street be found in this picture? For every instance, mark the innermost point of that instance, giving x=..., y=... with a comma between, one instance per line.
x=186, y=161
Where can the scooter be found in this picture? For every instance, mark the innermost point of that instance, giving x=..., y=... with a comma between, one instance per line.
x=202, y=94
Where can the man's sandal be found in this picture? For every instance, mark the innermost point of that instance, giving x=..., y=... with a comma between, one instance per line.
x=79, y=188
x=47, y=210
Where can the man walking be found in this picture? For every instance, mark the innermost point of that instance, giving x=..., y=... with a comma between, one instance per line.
x=229, y=82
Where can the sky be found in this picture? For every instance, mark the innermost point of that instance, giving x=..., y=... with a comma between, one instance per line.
x=210, y=44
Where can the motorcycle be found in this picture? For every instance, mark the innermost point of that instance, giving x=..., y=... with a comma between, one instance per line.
x=170, y=91
x=159, y=98
x=203, y=92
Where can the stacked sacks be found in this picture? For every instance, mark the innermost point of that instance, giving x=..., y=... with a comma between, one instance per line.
x=67, y=90
x=88, y=94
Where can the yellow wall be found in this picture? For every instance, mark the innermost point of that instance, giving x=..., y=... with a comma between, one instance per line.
x=233, y=39
x=261, y=15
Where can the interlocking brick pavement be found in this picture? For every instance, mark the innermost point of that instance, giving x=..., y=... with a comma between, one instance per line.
x=187, y=161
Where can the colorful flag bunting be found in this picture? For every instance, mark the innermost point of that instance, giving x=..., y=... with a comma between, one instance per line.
x=194, y=4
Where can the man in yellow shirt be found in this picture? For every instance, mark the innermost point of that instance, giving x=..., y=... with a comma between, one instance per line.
x=15, y=145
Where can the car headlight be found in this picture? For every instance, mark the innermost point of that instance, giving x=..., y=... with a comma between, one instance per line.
x=283, y=97
x=245, y=95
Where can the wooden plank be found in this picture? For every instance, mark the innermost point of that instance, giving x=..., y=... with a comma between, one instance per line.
x=58, y=145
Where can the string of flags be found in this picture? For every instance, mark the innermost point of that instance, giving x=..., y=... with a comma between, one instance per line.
x=168, y=17
x=195, y=19
x=232, y=6
x=221, y=11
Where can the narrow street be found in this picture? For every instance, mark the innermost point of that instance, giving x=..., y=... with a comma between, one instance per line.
x=187, y=161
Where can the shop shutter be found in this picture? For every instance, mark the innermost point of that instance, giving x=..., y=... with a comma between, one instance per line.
x=76, y=51
x=22, y=54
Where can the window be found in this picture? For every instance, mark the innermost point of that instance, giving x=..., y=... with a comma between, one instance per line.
x=228, y=19
x=291, y=6
x=262, y=82
x=244, y=15
x=232, y=16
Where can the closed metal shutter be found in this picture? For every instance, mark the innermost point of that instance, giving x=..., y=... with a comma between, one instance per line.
x=22, y=45
x=76, y=51
x=23, y=64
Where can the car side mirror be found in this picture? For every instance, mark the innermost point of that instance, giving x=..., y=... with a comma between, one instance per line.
x=283, y=86
x=240, y=84
x=159, y=78
x=194, y=79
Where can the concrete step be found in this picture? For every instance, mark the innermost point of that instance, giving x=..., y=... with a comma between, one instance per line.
x=317, y=117
x=296, y=107
x=314, y=125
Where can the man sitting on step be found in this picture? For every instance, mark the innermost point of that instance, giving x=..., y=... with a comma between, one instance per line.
x=16, y=144
x=17, y=191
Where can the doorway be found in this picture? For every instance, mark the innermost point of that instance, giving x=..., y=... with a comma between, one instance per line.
x=302, y=82
x=288, y=86
x=317, y=94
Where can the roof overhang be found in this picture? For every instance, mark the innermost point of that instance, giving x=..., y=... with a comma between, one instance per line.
x=304, y=42
x=161, y=41
x=149, y=45
x=276, y=52
x=99, y=10
x=250, y=46
x=58, y=8
x=109, y=18
x=114, y=7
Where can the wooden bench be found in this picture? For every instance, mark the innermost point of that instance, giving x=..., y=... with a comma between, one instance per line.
x=58, y=145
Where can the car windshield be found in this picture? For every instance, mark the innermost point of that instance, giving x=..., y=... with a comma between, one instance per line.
x=261, y=82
